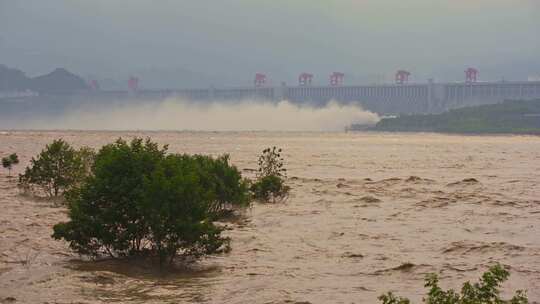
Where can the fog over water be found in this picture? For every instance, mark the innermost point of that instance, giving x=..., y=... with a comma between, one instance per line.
x=174, y=114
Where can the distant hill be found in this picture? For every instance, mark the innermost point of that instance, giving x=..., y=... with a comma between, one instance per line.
x=58, y=81
x=13, y=79
x=515, y=117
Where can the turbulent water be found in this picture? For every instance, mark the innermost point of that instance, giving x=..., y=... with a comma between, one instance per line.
x=368, y=213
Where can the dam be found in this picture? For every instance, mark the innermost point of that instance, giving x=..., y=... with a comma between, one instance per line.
x=401, y=97
x=407, y=98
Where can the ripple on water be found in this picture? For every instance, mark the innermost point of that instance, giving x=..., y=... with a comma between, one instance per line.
x=358, y=210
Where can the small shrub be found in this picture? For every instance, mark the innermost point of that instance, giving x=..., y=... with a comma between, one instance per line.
x=484, y=292
x=390, y=298
x=141, y=201
x=269, y=185
x=269, y=188
x=8, y=162
x=57, y=169
x=271, y=163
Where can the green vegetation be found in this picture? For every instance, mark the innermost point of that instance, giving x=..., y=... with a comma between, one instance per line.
x=141, y=201
x=270, y=185
x=57, y=169
x=9, y=161
x=230, y=189
x=484, y=292
x=516, y=117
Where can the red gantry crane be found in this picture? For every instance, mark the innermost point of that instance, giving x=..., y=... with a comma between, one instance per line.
x=471, y=75
x=336, y=79
x=260, y=80
x=133, y=83
x=402, y=77
x=305, y=79
x=94, y=85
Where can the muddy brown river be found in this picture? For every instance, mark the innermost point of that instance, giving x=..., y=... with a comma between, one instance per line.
x=368, y=213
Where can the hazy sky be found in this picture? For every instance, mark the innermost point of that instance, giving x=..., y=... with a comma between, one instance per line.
x=230, y=40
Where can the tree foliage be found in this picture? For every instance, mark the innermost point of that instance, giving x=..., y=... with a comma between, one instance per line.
x=517, y=117
x=141, y=201
x=390, y=298
x=486, y=291
x=271, y=163
x=269, y=185
x=269, y=188
x=9, y=161
x=104, y=216
x=57, y=169
x=230, y=189
x=177, y=207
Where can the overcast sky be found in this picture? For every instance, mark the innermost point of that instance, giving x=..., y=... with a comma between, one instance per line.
x=230, y=40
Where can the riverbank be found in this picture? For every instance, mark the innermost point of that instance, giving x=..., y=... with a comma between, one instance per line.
x=510, y=117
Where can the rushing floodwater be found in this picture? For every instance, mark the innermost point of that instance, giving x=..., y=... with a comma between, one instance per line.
x=362, y=205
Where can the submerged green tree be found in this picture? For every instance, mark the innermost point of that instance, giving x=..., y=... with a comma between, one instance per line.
x=486, y=291
x=57, y=168
x=269, y=185
x=105, y=212
x=176, y=205
x=141, y=201
x=9, y=161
